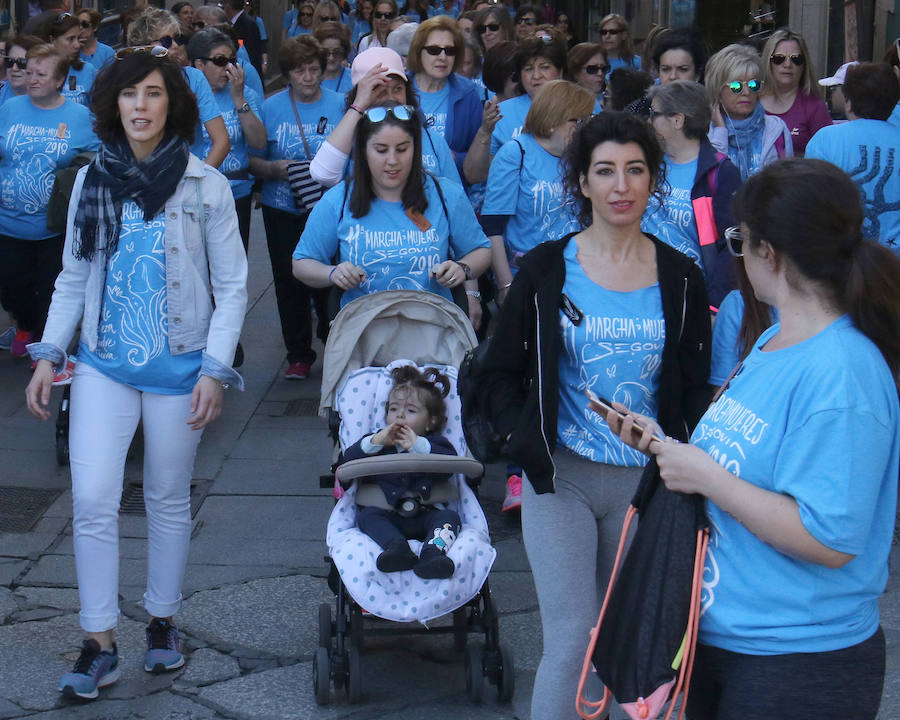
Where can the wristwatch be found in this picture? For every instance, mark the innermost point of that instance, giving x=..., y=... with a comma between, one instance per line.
x=245, y=108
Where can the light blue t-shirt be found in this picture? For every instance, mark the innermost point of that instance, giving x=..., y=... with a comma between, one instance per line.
x=252, y=79
x=237, y=162
x=673, y=221
x=435, y=106
x=437, y=158
x=206, y=103
x=34, y=144
x=319, y=118
x=133, y=334
x=340, y=84
x=894, y=119
x=617, y=62
x=817, y=421
x=510, y=125
x=869, y=152
x=78, y=84
x=6, y=93
x=262, y=28
x=525, y=183
x=615, y=351
x=726, y=350
x=394, y=252
x=102, y=55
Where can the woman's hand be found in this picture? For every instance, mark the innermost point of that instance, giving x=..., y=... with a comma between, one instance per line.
x=717, y=115
x=490, y=115
x=279, y=169
x=684, y=467
x=206, y=402
x=37, y=394
x=370, y=87
x=347, y=276
x=624, y=423
x=448, y=274
x=236, y=77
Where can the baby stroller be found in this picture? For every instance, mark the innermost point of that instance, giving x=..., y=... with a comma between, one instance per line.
x=365, y=339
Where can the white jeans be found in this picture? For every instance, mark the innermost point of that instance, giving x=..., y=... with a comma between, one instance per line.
x=103, y=418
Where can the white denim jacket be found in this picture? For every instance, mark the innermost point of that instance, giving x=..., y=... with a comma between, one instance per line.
x=194, y=269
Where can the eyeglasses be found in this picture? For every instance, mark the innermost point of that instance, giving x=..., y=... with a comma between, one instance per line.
x=308, y=13
x=736, y=86
x=526, y=21
x=329, y=19
x=401, y=112
x=17, y=62
x=156, y=51
x=198, y=24
x=86, y=24
x=335, y=52
x=220, y=60
x=610, y=31
x=493, y=27
x=436, y=50
x=384, y=15
x=735, y=240
x=796, y=58
x=594, y=69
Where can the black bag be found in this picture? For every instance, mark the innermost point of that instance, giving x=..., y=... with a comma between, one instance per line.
x=483, y=441
x=61, y=192
x=306, y=191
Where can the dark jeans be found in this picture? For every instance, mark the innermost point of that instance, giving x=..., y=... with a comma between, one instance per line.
x=843, y=684
x=28, y=270
x=283, y=230
x=242, y=206
x=385, y=526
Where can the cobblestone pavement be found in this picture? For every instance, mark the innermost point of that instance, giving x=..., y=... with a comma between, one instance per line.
x=255, y=576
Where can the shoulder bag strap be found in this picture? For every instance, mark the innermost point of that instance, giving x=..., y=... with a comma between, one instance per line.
x=299, y=125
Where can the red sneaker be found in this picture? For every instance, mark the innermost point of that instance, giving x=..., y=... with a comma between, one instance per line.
x=22, y=338
x=513, y=499
x=297, y=371
x=64, y=376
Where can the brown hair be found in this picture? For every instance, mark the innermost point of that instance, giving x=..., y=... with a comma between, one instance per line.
x=297, y=51
x=580, y=54
x=438, y=22
x=872, y=90
x=334, y=31
x=554, y=103
x=94, y=17
x=431, y=387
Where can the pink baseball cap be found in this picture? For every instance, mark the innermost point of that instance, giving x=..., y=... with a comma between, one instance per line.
x=368, y=59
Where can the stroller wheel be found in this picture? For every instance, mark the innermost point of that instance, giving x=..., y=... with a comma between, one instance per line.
x=356, y=627
x=474, y=673
x=321, y=676
x=62, y=450
x=506, y=679
x=325, y=626
x=460, y=629
x=354, y=676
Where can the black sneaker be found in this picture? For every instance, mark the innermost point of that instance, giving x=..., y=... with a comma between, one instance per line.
x=163, y=647
x=93, y=670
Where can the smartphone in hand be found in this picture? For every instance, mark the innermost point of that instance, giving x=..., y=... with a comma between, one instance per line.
x=606, y=405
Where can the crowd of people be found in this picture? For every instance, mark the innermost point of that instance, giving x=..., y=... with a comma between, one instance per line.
x=634, y=217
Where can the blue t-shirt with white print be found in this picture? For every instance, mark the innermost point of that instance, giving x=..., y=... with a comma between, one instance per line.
x=673, y=222
x=508, y=127
x=34, y=144
x=395, y=253
x=133, y=334
x=615, y=351
x=435, y=106
x=319, y=118
x=206, y=103
x=525, y=184
x=437, y=158
x=869, y=152
x=817, y=422
x=78, y=84
x=237, y=161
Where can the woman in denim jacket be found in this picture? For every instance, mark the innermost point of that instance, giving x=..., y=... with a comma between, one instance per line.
x=151, y=234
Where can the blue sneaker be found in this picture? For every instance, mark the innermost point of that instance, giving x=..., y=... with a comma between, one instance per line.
x=163, y=647
x=6, y=338
x=93, y=670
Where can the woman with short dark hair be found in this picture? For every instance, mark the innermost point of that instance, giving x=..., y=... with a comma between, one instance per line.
x=335, y=40
x=588, y=66
x=156, y=351
x=92, y=50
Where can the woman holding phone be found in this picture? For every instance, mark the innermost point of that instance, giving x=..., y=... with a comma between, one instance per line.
x=798, y=462
x=611, y=310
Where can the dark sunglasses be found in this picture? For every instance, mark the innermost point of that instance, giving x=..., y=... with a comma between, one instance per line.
x=401, y=112
x=334, y=52
x=384, y=16
x=329, y=19
x=594, y=69
x=607, y=31
x=17, y=62
x=156, y=51
x=796, y=58
x=526, y=21
x=86, y=24
x=438, y=49
x=166, y=41
x=198, y=24
x=493, y=27
x=736, y=86
x=220, y=60
x=735, y=240
x=308, y=13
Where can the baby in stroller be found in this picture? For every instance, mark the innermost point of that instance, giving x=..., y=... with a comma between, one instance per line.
x=415, y=418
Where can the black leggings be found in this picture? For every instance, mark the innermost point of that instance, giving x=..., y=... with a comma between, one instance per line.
x=843, y=684
x=28, y=270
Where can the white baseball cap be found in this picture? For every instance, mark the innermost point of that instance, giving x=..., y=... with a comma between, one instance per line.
x=839, y=77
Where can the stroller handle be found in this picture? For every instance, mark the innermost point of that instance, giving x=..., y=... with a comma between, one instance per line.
x=408, y=462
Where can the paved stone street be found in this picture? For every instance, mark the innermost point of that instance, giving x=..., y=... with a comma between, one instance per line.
x=256, y=573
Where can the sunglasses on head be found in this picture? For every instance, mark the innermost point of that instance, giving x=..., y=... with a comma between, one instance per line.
x=384, y=15
x=796, y=58
x=220, y=60
x=438, y=49
x=156, y=51
x=736, y=86
x=62, y=17
x=735, y=240
x=610, y=31
x=493, y=27
x=401, y=112
x=594, y=69
x=17, y=62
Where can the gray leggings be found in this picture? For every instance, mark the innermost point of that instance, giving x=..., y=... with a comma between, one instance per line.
x=571, y=538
